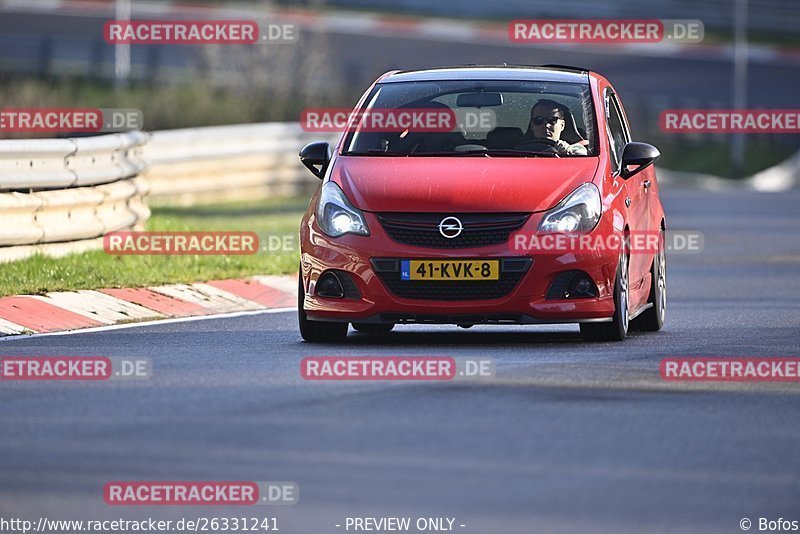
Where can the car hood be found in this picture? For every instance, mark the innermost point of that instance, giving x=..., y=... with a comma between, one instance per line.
x=459, y=184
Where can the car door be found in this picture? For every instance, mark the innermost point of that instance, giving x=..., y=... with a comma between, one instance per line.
x=636, y=198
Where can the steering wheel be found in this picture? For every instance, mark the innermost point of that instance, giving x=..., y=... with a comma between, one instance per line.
x=539, y=144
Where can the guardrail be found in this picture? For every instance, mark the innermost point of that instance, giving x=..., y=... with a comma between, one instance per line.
x=60, y=196
x=236, y=162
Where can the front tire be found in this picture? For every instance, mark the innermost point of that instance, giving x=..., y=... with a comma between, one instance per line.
x=317, y=331
x=617, y=329
x=652, y=319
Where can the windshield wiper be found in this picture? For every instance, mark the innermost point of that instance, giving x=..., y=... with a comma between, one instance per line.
x=375, y=152
x=490, y=152
x=512, y=152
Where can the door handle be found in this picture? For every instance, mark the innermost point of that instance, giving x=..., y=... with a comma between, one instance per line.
x=646, y=184
x=628, y=202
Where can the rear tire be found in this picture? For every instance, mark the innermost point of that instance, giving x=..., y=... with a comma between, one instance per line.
x=652, y=319
x=616, y=330
x=374, y=328
x=317, y=331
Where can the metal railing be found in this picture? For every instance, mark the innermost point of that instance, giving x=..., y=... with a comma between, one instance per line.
x=235, y=162
x=62, y=195
x=59, y=196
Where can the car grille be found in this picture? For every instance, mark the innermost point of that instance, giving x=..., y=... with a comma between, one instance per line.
x=480, y=229
x=511, y=272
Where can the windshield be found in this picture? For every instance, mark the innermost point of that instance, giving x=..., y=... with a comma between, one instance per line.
x=480, y=118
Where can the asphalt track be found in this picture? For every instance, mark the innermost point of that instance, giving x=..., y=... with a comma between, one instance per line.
x=567, y=437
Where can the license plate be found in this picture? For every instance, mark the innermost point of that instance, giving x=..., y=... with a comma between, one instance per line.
x=450, y=269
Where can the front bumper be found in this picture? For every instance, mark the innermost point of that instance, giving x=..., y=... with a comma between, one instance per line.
x=524, y=303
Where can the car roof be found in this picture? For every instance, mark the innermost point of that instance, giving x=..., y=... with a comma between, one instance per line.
x=548, y=73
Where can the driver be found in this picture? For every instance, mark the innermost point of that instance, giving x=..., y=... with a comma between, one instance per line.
x=546, y=125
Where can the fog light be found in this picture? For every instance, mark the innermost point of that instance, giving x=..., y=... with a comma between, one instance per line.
x=581, y=286
x=329, y=286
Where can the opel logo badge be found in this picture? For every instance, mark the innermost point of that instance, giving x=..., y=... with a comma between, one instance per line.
x=450, y=227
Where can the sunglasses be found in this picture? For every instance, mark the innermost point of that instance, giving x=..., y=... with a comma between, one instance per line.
x=538, y=121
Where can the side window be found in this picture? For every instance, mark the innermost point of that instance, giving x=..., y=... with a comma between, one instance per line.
x=617, y=134
x=625, y=125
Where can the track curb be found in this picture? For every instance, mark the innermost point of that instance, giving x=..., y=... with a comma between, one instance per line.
x=60, y=311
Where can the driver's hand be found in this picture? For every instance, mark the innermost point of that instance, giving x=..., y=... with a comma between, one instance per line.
x=562, y=146
x=577, y=150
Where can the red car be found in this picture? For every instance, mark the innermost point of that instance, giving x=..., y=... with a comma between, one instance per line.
x=431, y=223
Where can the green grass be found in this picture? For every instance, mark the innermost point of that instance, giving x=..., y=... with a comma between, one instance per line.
x=185, y=104
x=715, y=158
x=94, y=270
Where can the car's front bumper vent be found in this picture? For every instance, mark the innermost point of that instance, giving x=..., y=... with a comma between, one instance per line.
x=479, y=229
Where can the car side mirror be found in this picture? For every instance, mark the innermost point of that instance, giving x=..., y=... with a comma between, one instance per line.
x=315, y=155
x=638, y=155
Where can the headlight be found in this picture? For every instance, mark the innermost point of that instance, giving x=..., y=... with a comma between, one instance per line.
x=336, y=215
x=578, y=213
